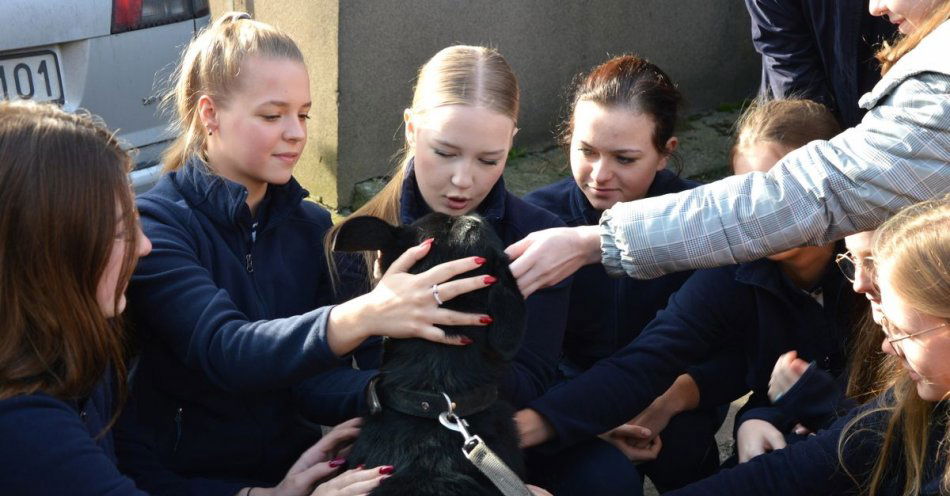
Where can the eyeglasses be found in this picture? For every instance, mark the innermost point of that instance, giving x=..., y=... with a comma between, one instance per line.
x=895, y=334
x=849, y=266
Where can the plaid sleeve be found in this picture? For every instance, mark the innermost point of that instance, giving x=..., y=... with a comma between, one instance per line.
x=897, y=156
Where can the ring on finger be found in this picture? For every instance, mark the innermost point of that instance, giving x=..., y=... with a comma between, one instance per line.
x=435, y=294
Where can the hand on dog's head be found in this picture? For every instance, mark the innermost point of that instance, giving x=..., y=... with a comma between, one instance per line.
x=454, y=238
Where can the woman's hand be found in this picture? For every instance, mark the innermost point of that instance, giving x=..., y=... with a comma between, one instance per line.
x=788, y=370
x=537, y=491
x=322, y=460
x=545, y=258
x=637, y=443
x=682, y=396
x=356, y=482
x=404, y=305
x=756, y=437
x=532, y=428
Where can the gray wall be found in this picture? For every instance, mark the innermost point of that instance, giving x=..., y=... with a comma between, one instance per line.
x=704, y=45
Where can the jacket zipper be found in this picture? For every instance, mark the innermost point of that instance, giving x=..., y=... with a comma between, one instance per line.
x=178, y=418
x=248, y=259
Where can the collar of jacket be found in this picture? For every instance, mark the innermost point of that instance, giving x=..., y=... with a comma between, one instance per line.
x=928, y=56
x=767, y=275
x=225, y=201
x=412, y=206
x=664, y=182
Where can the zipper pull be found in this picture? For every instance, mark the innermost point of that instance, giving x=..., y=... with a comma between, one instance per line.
x=249, y=264
x=177, y=429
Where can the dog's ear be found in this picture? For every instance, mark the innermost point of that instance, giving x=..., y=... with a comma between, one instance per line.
x=507, y=306
x=365, y=233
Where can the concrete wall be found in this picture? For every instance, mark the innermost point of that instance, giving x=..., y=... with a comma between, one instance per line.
x=364, y=54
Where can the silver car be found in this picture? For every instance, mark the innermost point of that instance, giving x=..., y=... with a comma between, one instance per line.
x=111, y=57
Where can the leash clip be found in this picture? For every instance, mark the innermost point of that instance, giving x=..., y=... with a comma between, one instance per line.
x=451, y=421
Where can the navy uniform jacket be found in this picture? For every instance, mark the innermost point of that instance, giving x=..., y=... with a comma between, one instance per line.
x=606, y=313
x=812, y=467
x=52, y=446
x=820, y=50
x=232, y=316
x=752, y=303
x=534, y=368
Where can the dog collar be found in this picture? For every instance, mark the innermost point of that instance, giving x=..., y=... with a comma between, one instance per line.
x=427, y=404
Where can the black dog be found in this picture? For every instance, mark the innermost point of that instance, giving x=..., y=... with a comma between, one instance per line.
x=406, y=432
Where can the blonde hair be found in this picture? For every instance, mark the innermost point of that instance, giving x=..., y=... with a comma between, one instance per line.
x=889, y=53
x=790, y=123
x=916, y=248
x=211, y=66
x=456, y=75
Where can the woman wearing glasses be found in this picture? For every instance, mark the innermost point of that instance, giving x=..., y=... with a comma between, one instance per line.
x=864, y=377
x=897, y=444
x=857, y=264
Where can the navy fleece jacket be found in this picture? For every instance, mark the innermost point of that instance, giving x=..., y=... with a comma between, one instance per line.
x=53, y=446
x=606, y=313
x=752, y=303
x=232, y=312
x=812, y=467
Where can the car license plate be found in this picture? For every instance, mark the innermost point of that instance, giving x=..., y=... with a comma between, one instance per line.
x=31, y=76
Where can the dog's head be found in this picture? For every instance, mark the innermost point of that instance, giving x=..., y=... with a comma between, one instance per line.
x=454, y=238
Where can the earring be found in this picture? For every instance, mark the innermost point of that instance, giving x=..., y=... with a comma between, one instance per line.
x=210, y=133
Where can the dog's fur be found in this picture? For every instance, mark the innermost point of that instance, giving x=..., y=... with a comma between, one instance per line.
x=427, y=456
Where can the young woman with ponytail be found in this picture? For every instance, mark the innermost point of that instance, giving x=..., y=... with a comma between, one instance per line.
x=242, y=349
x=70, y=240
x=458, y=132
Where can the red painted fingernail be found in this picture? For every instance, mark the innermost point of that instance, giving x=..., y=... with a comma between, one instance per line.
x=485, y=320
x=336, y=462
x=465, y=340
x=490, y=280
x=480, y=260
x=360, y=466
x=388, y=469
x=428, y=241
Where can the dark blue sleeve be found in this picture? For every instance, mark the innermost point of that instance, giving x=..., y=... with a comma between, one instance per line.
x=759, y=408
x=696, y=321
x=334, y=396
x=816, y=399
x=535, y=366
x=136, y=458
x=721, y=379
x=804, y=468
x=791, y=64
x=201, y=325
x=47, y=450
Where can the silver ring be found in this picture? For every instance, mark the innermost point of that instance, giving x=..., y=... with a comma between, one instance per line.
x=435, y=294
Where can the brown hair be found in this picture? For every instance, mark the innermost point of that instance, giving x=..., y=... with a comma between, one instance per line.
x=456, y=75
x=633, y=83
x=65, y=186
x=889, y=54
x=790, y=123
x=211, y=66
x=915, y=247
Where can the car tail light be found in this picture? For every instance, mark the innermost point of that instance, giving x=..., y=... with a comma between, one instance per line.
x=129, y=15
